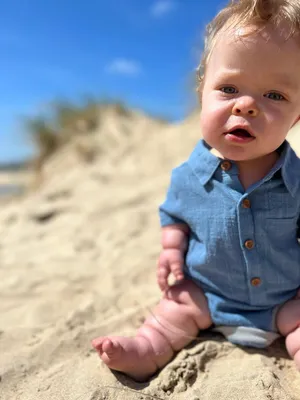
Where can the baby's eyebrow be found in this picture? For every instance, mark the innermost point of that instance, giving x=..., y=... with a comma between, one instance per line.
x=283, y=81
x=227, y=74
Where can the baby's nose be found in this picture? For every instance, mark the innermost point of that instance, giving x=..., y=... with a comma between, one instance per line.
x=245, y=107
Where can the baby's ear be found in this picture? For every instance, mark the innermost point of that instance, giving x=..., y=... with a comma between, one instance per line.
x=199, y=89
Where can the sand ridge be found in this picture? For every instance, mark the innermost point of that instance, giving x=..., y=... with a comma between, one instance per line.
x=77, y=260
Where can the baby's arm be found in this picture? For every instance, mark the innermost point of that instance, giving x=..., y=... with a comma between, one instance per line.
x=174, y=242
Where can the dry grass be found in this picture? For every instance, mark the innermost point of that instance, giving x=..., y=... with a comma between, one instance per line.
x=69, y=122
x=63, y=123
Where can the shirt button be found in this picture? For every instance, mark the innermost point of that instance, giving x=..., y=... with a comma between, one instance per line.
x=246, y=203
x=255, y=281
x=249, y=244
x=226, y=165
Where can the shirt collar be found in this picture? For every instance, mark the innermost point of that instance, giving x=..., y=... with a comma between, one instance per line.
x=204, y=164
x=290, y=169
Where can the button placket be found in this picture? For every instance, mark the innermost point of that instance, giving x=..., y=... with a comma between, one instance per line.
x=253, y=272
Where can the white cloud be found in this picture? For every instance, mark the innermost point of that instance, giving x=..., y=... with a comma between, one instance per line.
x=162, y=7
x=124, y=66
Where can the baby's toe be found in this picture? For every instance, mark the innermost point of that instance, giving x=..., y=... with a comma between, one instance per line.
x=112, y=349
x=97, y=344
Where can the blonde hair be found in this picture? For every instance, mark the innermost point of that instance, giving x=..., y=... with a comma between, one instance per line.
x=249, y=12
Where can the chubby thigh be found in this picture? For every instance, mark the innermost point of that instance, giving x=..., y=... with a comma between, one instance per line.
x=288, y=316
x=179, y=316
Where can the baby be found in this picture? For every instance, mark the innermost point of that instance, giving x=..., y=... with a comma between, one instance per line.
x=230, y=219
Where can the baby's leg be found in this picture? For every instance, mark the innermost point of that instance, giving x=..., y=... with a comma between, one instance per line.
x=288, y=323
x=174, y=323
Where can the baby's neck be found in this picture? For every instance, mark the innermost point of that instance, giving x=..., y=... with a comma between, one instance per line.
x=251, y=171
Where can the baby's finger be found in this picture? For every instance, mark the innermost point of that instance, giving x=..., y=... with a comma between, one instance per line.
x=176, y=269
x=163, y=271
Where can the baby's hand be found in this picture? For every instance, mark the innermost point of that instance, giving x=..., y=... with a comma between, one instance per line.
x=170, y=262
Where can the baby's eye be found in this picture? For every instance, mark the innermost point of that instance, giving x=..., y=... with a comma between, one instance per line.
x=228, y=89
x=274, y=96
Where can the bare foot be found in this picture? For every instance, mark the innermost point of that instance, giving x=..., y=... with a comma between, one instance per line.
x=173, y=324
x=133, y=356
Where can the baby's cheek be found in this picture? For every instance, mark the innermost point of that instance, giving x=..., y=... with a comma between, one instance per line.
x=205, y=121
x=214, y=114
x=209, y=127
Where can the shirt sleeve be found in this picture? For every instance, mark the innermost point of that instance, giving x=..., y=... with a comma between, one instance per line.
x=171, y=211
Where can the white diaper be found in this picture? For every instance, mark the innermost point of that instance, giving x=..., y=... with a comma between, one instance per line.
x=246, y=336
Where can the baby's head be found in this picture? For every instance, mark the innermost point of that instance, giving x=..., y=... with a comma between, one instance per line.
x=245, y=13
x=249, y=77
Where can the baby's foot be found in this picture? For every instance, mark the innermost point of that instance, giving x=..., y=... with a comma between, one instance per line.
x=133, y=356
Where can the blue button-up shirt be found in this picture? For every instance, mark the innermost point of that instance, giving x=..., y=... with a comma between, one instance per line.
x=210, y=200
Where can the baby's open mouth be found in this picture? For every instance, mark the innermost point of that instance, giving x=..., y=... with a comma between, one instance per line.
x=242, y=133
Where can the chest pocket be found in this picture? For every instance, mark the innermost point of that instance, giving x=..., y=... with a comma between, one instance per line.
x=282, y=206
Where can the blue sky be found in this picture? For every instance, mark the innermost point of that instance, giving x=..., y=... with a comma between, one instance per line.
x=141, y=51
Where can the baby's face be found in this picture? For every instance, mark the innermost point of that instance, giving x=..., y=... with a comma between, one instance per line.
x=250, y=82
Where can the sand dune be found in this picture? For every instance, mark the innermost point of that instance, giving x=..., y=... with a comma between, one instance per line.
x=77, y=260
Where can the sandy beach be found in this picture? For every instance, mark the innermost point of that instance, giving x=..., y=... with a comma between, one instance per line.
x=78, y=259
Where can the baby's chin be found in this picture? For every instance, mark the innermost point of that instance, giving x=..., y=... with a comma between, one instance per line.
x=234, y=154
x=248, y=157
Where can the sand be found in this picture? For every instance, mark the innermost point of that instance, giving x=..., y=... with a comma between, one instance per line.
x=78, y=259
